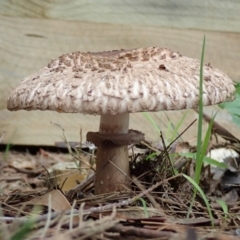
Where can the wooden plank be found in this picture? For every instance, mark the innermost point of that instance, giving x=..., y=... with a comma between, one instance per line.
x=28, y=44
x=217, y=15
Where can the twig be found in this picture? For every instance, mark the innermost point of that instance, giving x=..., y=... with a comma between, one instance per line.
x=120, y=170
x=141, y=232
x=81, y=186
x=89, y=229
x=148, y=195
x=181, y=133
x=130, y=200
x=217, y=128
x=44, y=231
x=101, y=208
x=165, y=150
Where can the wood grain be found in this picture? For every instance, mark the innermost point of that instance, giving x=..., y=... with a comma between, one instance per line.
x=216, y=15
x=28, y=44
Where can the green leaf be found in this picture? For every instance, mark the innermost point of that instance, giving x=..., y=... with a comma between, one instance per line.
x=176, y=128
x=144, y=207
x=23, y=231
x=151, y=156
x=203, y=151
x=151, y=120
x=200, y=120
x=214, y=162
x=207, y=160
x=224, y=207
x=234, y=106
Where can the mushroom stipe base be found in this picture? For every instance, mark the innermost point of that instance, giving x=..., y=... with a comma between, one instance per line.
x=112, y=171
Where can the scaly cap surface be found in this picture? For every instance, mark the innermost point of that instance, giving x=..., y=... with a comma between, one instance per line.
x=139, y=80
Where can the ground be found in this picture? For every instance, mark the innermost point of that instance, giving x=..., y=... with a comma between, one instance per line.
x=49, y=195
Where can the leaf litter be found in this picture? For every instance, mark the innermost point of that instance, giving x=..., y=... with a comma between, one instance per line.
x=50, y=196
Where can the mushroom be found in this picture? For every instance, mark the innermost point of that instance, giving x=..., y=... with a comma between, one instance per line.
x=113, y=84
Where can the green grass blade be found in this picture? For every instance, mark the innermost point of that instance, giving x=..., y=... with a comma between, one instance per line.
x=144, y=207
x=207, y=160
x=151, y=156
x=233, y=106
x=196, y=186
x=176, y=128
x=199, y=157
x=214, y=162
x=204, y=148
x=224, y=207
x=152, y=121
x=200, y=117
x=22, y=233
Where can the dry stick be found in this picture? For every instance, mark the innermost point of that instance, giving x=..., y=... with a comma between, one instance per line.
x=4, y=230
x=179, y=135
x=217, y=128
x=82, y=161
x=150, y=147
x=141, y=232
x=167, y=148
x=81, y=186
x=120, y=170
x=48, y=177
x=91, y=228
x=110, y=206
x=130, y=200
x=163, y=153
x=64, y=136
x=19, y=210
x=68, y=145
x=166, y=153
x=101, y=208
x=47, y=224
x=148, y=195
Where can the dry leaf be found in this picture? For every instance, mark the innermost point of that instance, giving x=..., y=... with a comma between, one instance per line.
x=71, y=180
x=58, y=201
x=23, y=163
x=66, y=175
x=67, y=179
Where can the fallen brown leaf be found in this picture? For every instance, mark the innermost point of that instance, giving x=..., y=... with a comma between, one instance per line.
x=58, y=201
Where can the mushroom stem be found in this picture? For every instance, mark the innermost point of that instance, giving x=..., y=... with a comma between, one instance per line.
x=118, y=123
x=112, y=168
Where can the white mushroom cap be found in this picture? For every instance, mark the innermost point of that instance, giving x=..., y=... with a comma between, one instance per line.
x=139, y=80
